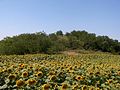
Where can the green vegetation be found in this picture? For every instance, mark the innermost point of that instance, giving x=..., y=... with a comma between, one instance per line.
x=80, y=66
x=56, y=42
x=60, y=72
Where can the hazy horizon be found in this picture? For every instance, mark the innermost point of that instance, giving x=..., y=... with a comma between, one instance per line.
x=101, y=17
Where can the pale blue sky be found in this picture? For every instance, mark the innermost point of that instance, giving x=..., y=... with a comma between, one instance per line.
x=26, y=16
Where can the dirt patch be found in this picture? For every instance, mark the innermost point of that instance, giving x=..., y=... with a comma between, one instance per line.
x=71, y=53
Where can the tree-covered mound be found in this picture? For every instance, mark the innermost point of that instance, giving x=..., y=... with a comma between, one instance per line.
x=41, y=42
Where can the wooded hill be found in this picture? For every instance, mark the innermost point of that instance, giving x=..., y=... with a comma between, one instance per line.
x=40, y=42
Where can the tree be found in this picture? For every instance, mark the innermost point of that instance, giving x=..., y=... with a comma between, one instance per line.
x=40, y=42
x=59, y=33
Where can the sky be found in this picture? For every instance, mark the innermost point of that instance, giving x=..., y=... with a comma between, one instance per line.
x=101, y=17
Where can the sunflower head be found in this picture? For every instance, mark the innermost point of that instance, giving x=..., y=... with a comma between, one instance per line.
x=78, y=78
x=91, y=88
x=109, y=81
x=46, y=87
x=84, y=87
x=98, y=89
x=53, y=78
x=75, y=66
x=12, y=77
x=64, y=86
x=70, y=68
x=75, y=87
x=25, y=74
x=97, y=73
x=51, y=73
x=31, y=82
x=55, y=87
x=22, y=65
x=39, y=74
x=20, y=83
x=118, y=73
x=9, y=70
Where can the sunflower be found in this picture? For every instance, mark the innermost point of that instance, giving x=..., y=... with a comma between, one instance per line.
x=24, y=74
x=9, y=70
x=118, y=73
x=109, y=81
x=62, y=67
x=51, y=73
x=64, y=86
x=20, y=83
x=70, y=68
x=78, y=78
x=91, y=73
x=97, y=88
x=31, y=67
x=55, y=87
x=39, y=74
x=75, y=87
x=12, y=77
x=97, y=73
x=46, y=87
x=53, y=78
x=21, y=65
x=31, y=82
x=37, y=69
x=75, y=66
x=84, y=87
x=91, y=88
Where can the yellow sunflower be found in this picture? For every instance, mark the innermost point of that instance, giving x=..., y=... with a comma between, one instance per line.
x=78, y=78
x=20, y=83
x=31, y=82
x=12, y=77
x=64, y=86
x=46, y=87
x=39, y=74
x=24, y=74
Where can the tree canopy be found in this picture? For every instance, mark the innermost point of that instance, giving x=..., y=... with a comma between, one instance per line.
x=41, y=42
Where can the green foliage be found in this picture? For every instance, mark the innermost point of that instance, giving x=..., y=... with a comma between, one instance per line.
x=55, y=42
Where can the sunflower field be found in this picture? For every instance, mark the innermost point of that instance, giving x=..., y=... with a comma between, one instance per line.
x=60, y=72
